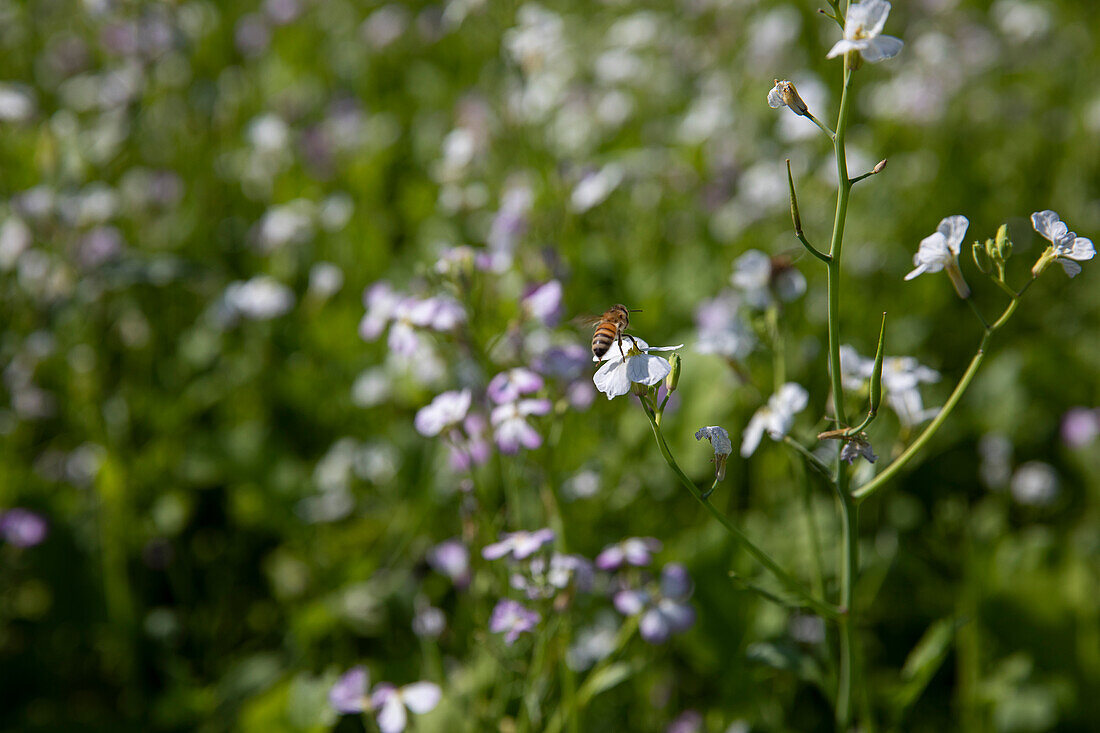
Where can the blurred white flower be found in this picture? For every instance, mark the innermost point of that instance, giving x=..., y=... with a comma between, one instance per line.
x=721, y=328
x=1035, y=484
x=619, y=371
x=759, y=278
x=260, y=298
x=268, y=133
x=325, y=279
x=15, y=238
x=940, y=251
x=446, y=409
x=16, y=104
x=775, y=418
x=862, y=29
x=1067, y=249
x=287, y=223
x=594, y=188
x=901, y=376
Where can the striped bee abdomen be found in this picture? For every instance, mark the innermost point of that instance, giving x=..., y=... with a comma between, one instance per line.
x=605, y=335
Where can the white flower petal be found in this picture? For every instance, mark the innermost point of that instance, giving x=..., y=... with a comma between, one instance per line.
x=611, y=379
x=421, y=697
x=392, y=718
x=881, y=48
x=844, y=46
x=792, y=398
x=1082, y=249
x=775, y=97
x=646, y=369
x=868, y=16
x=1071, y=267
x=754, y=432
x=1044, y=221
x=953, y=228
x=659, y=348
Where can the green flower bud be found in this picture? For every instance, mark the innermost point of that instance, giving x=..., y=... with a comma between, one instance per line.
x=673, y=378
x=981, y=257
x=1003, y=244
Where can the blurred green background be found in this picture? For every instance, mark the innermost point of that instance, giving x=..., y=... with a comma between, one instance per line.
x=239, y=508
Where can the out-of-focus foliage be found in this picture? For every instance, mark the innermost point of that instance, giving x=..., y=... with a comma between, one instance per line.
x=196, y=195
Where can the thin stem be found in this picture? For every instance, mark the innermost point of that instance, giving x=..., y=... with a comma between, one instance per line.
x=899, y=463
x=816, y=463
x=797, y=218
x=824, y=128
x=978, y=313
x=849, y=572
x=762, y=557
x=844, y=188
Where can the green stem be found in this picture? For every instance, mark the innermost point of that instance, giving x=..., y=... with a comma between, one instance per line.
x=849, y=572
x=899, y=463
x=762, y=557
x=811, y=459
x=844, y=188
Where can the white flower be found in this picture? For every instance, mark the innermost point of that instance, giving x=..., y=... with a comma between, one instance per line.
x=775, y=418
x=1065, y=247
x=784, y=94
x=637, y=366
x=260, y=298
x=1035, y=484
x=901, y=376
x=446, y=409
x=861, y=33
x=390, y=702
x=940, y=251
x=756, y=275
x=595, y=187
x=720, y=440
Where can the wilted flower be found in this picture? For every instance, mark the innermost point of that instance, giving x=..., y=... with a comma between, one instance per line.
x=784, y=94
x=775, y=418
x=445, y=410
x=512, y=618
x=519, y=544
x=510, y=385
x=762, y=278
x=510, y=427
x=636, y=551
x=862, y=29
x=720, y=440
x=664, y=610
x=856, y=447
x=940, y=251
x=638, y=366
x=349, y=694
x=1066, y=248
x=22, y=527
x=451, y=558
x=391, y=702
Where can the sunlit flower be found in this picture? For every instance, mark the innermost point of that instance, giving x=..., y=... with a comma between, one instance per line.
x=510, y=427
x=784, y=94
x=519, y=544
x=1067, y=249
x=509, y=386
x=940, y=251
x=720, y=440
x=862, y=29
x=391, y=703
x=512, y=618
x=349, y=694
x=446, y=409
x=761, y=279
x=636, y=551
x=664, y=609
x=637, y=366
x=451, y=558
x=22, y=527
x=774, y=418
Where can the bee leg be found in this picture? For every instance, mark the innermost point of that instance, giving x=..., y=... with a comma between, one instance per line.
x=620, y=338
x=632, y=340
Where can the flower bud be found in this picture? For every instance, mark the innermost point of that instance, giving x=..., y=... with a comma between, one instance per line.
x=673, y=378
x=981, y=257
x=1003, y=243
x=879, y=166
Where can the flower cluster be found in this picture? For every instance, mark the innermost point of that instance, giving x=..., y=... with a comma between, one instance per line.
x=662, y=605
x=390, y=704
x=405, y=314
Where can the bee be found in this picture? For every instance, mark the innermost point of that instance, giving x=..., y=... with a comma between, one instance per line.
x=610, y=328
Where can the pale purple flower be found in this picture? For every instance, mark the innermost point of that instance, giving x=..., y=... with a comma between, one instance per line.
x=519, y=545
x=940, y=251
x=349, y=694
x=541, y=578
x=689, y=721
x=721, y=328
x=512, y=618
x=862, y=32
x=775, y=418
x=637, y=366
x=385, y=306
x=636, y=551
x=380, y=300
x=761, y=281
x=1080, y=426
x=509, y=386
x=580, y=395
x=391, y=702
x=509, y=224
x=448, y=408
x=469, y=446
x=664, y=610
x=1066, y=247
x=98, y=246
x=510, y=427
x=543, y=302
x=451, y=558
x=22, y=527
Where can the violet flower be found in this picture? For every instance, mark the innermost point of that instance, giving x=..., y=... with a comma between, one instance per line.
x=664, y=610
x=349, y=694
x=509, y=386
x=451, y=558
x=512, y=618
x=22, y=527
x=519, y=545
x=636, y=551
x=510, y=427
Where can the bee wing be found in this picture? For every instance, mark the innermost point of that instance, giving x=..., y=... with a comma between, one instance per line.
x=586, y=320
